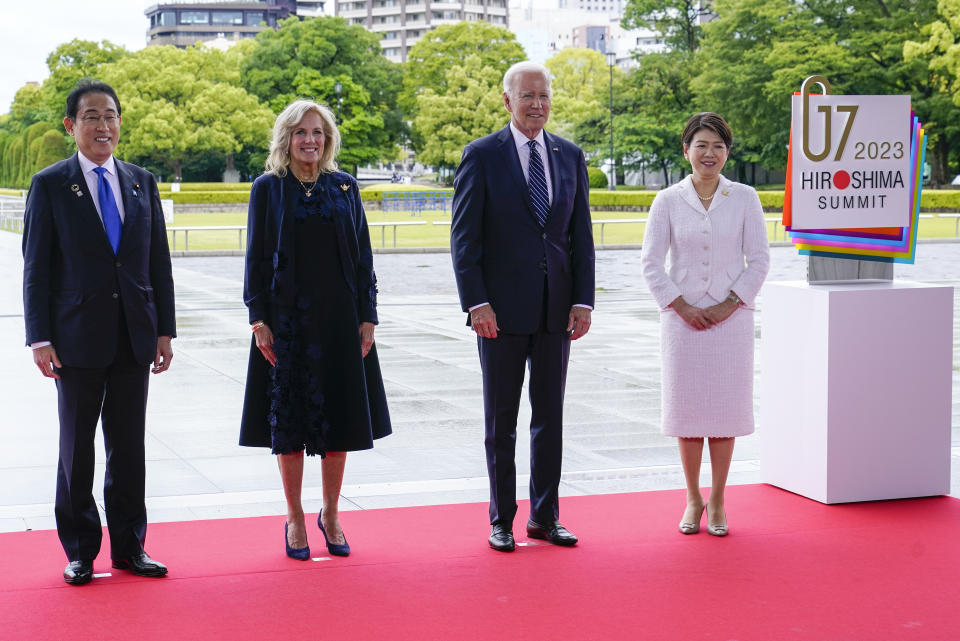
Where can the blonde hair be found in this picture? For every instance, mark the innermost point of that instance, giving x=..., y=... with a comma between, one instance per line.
x=279, y=157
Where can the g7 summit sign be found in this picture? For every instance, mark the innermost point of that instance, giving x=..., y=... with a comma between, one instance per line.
x=850, y=160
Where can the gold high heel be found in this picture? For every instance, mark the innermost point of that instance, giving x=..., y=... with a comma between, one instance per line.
x=692, y=528
x=717, y=530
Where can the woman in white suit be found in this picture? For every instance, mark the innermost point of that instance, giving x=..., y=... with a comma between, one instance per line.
x=714, y=233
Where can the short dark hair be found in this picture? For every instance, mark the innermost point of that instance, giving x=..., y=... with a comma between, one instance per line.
x=707, y=120
x=85, y=86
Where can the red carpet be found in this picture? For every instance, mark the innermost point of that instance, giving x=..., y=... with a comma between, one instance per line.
x=790, y=569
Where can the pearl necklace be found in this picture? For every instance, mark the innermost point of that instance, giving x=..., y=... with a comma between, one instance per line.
x=710, y=197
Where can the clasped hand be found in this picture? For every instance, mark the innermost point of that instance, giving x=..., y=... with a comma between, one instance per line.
x=703, y=318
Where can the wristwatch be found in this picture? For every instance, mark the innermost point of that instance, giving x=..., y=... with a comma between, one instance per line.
x=734, y=298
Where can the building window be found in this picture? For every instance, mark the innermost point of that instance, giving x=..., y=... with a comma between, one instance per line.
x=227, y=17
x=194, y=17
x=254, y=18
x=167, y=18
x=390, y=35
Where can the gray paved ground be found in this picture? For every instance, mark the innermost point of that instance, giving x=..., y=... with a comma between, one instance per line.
x=429, y=360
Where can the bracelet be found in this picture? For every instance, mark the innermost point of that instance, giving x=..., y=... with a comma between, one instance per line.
x=734, y=298
x=257, y=325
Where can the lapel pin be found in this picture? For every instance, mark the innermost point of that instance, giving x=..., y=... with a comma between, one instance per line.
x=74, y=187
x=136, y=190
x=556, y=148
x=79, y=194
x=725, y=192
x=345, y=187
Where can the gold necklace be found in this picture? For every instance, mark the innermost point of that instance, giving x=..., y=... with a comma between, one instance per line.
x=306, y=190
x=705, y=198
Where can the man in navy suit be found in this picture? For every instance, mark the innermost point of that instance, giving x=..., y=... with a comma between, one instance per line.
x=522, y=248
x=98, y=308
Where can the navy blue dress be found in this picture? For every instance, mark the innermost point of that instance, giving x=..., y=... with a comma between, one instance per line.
x=322, y=396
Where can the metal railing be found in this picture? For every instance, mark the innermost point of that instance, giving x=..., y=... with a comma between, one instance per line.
x=11, y=213
x=416, y=202
x=241, y=230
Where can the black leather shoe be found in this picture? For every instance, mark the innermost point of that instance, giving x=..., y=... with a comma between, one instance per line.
x=555, y=533
x=501, y=538
x=78, y=572
x=141, y=565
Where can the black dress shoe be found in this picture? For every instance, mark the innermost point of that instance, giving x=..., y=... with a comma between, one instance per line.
x=78, y=572
x=501, y=538
x=141, y=565
x=555, y=533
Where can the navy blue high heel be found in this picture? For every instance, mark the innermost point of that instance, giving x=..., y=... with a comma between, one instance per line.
x=300, y=554
x=336, y=549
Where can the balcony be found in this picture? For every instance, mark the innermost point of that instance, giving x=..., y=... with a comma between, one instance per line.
x=353, y=13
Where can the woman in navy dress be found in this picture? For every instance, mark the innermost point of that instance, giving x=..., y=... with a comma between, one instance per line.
x=313, y=380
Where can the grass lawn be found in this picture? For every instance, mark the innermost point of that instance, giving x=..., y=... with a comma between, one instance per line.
x=431, y=235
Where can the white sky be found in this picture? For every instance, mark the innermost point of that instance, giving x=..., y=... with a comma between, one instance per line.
x=30, y=31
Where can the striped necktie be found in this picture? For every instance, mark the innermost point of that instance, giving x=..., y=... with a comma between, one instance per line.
x=108, y=210
x=538, y=184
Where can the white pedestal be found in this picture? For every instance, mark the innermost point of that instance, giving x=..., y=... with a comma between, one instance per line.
x=855, y=389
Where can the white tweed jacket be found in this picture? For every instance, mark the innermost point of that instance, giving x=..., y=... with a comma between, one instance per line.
x=711, y=252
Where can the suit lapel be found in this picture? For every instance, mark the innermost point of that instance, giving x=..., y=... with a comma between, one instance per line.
x=81, y=203
x=553, y=157
x=508, y=149
x=131, y=194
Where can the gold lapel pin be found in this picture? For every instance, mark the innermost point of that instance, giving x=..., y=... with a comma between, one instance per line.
x=74, y=187
x=345, y=187
x=725, y=192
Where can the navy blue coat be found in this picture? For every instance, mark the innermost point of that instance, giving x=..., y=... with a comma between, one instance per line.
x=269, y=285
x=500, y=252
x=73, y=283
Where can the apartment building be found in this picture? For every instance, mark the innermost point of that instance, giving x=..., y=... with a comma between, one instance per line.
x=401, y=23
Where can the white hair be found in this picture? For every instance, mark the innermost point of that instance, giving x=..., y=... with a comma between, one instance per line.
x=525, y=67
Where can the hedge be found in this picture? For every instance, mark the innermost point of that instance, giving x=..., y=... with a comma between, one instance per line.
x=931, y=200
x=596, y=177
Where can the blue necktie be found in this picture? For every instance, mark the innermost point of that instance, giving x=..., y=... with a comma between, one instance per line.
x=108, y=209
x=538, y=184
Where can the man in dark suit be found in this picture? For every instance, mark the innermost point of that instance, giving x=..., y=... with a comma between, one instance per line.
x=522, y=248
x=98, y=307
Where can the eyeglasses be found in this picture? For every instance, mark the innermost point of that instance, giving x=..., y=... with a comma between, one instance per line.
x=108, y=120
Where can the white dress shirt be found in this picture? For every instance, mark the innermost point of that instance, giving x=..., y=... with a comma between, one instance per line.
x=87, y=166
x=523, y=151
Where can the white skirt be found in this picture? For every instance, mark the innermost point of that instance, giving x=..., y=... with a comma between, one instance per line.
x=707, y=376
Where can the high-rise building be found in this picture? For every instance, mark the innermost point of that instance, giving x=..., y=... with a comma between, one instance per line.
x=401, y=23
x=183, y=22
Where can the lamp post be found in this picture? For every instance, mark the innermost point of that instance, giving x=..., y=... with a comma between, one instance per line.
x=612, y=62
x=338, y=89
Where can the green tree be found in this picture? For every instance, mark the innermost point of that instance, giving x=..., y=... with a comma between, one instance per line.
x=470, y=107
x=677, y=22
x=580, y=83
x=937, y=48
x=308, y=58
x=754, y=56
x=71, y=62
x=446, y=46
x=193, y=108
